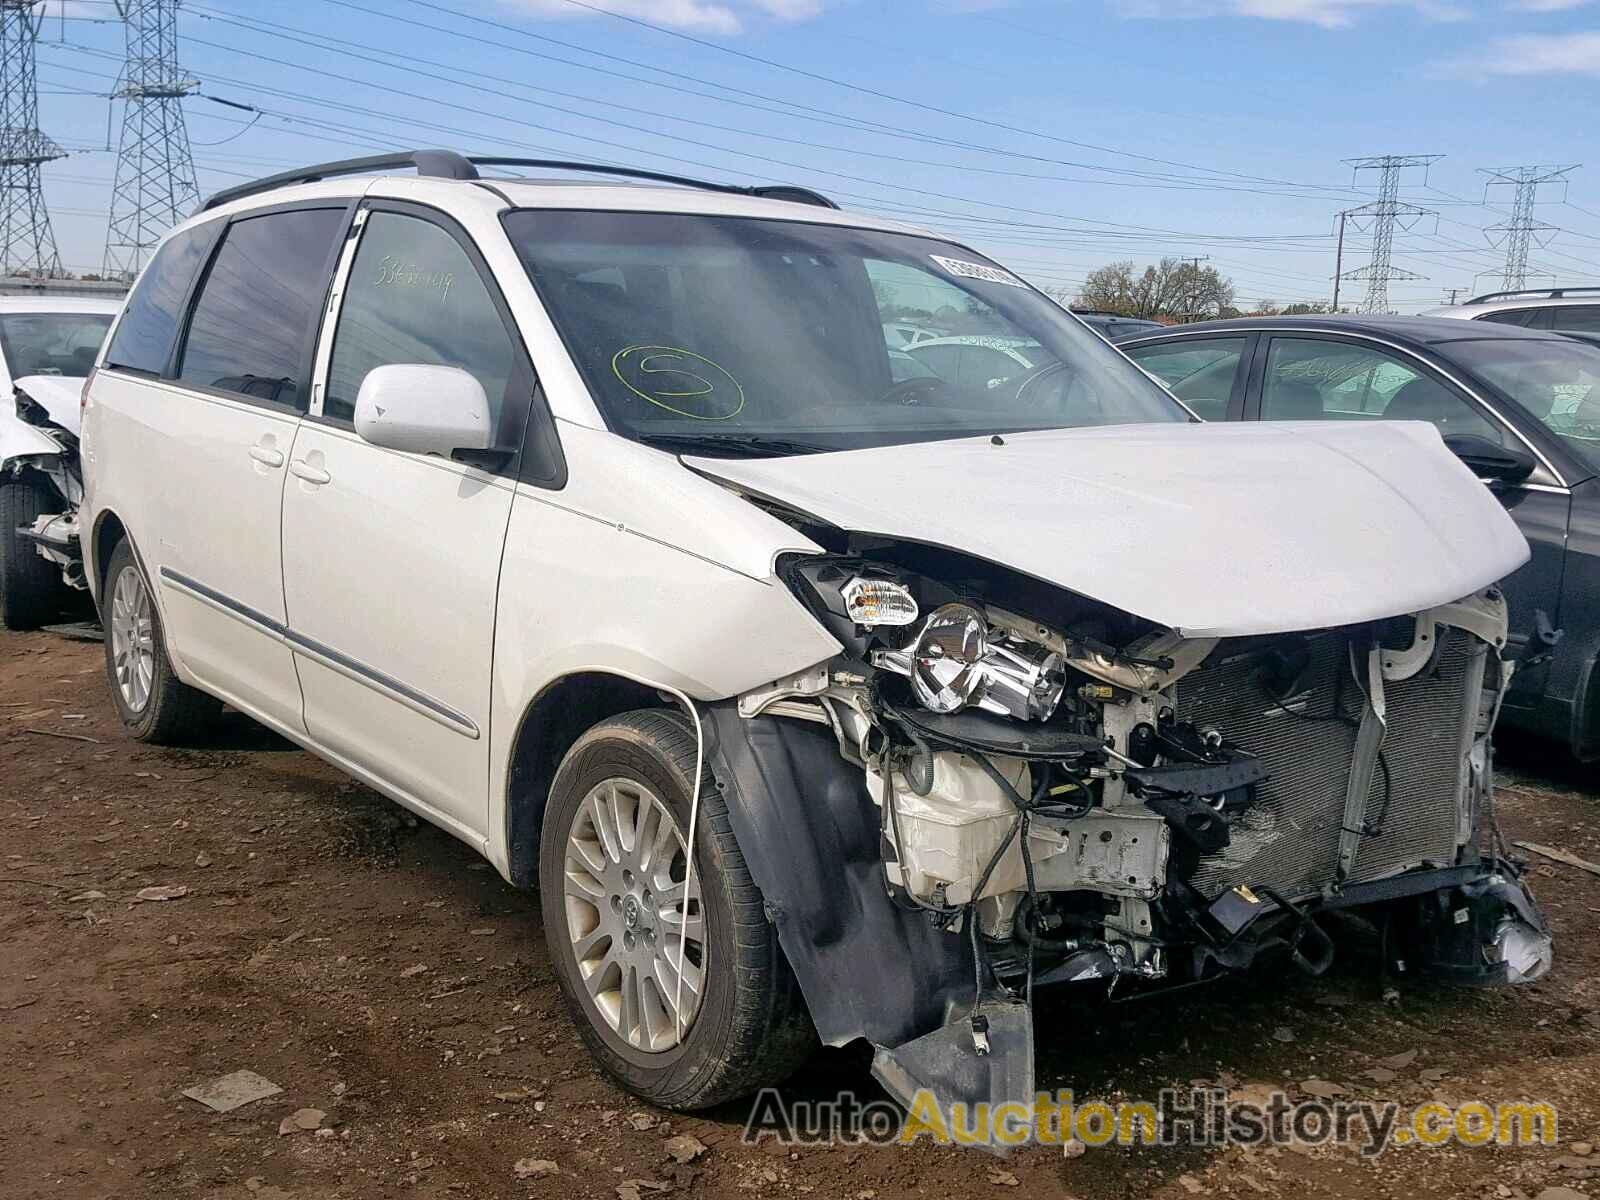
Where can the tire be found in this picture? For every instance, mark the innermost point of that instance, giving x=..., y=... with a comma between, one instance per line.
x=158, y=708
x=31, y=589
x=750, y=1028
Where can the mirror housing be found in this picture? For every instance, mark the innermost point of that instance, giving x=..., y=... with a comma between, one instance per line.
x=423, y=409
x=1497, y=464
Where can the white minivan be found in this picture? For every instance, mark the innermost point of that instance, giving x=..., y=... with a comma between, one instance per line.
x=592, y=522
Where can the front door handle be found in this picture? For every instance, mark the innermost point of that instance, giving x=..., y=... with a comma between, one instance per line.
x=266, y=455
x=301, y=469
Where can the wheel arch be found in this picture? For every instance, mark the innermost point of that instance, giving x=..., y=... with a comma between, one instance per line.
x=108, y=531
x=560, y=714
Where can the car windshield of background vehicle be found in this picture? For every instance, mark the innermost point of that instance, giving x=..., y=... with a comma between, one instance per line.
x=52, y=343
x=1554, y=379
x=778, y=337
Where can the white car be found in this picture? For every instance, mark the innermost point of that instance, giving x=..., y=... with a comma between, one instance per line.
x=1571, y=310
x=590, y=523
x=47, y=347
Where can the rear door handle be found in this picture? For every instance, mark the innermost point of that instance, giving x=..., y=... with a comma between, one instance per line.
x=267, y=456
x=301, y=469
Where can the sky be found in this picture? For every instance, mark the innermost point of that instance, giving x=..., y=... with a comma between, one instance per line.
x=1054, y=135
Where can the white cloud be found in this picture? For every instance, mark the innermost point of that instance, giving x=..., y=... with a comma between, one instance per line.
x=1533, y=54
x=1549, y=6
x=698, y=16
x=1327, y=14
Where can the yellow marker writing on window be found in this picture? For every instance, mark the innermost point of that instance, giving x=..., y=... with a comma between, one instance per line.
x=680, y=381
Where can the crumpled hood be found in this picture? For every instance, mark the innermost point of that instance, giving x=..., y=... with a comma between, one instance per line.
x=1212, y=530
x=58, y=395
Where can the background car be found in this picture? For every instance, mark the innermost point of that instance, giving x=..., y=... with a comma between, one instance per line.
x=1521, y=407
x=1565, y=310
x=47, y=347
x=1112, y=326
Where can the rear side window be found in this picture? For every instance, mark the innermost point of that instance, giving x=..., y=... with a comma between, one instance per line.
x=1513, y=316
x=253, y=321
x=149, y=325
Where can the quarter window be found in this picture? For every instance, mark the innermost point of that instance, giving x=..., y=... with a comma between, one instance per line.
x=1199, y=372
x=1309, y=380
x=253, y=320
x=1578, y=318
x=415, y=296
x=149, y=324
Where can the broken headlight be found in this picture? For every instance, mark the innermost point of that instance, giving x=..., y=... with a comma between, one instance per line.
x=957, y=661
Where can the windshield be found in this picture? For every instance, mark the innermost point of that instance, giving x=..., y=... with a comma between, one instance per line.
x=778, y=337
x=40, y=343
x=1553, y=378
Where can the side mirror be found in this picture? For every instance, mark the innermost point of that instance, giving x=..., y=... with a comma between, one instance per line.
x=1498, y=464
x=423, y=409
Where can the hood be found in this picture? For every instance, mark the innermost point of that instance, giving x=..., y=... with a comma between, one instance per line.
x=58, y=395
x=1213, y=530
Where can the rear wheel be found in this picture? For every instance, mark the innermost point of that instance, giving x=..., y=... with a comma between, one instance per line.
x=31, y=589
x=620, y=920
x=155, y=705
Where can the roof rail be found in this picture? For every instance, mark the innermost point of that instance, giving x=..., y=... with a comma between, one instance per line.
x=1555, y=293
x=447, y=164
x=768, y=191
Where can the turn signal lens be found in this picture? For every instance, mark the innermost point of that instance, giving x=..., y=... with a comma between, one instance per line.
x=878, y=602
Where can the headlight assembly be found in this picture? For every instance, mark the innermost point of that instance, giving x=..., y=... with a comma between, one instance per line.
x=957, y=661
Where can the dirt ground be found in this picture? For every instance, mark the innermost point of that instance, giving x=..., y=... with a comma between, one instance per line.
x=376, y=970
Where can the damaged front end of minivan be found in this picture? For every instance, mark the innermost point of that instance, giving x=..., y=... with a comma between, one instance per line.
x=1000, y=785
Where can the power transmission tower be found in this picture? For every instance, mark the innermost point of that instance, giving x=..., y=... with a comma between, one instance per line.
x=155, y=183
x=29, y=246
x=1522, y=228
x=1382, y=215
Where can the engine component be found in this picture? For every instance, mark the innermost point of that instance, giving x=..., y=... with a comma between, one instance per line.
x=1198, y=799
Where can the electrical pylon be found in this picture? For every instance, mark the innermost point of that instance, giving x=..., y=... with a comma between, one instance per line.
x=29, y=246
x=155, y=183
x=1521, y=229
x=1384, y=214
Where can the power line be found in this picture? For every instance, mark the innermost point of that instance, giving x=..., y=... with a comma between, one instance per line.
x=873, y=92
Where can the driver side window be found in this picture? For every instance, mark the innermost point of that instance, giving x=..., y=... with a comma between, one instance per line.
x=414, y=296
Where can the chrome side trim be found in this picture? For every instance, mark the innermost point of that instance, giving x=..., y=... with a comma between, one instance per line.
x=223, y=604
x=409, y=696
x=349, y=667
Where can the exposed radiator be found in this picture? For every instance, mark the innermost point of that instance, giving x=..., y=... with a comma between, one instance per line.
x=1289, y=839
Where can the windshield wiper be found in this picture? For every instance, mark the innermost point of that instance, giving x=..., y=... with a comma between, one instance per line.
x=738, y=443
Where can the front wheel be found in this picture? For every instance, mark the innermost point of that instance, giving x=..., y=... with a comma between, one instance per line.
x=31, y=591
x=620, y=922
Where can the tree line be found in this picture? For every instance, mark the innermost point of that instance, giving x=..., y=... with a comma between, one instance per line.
x=1171, y=291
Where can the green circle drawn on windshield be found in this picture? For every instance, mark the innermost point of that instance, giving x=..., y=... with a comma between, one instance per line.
x=673, y=385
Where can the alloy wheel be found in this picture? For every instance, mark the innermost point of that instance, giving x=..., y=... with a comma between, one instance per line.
x=630, y=919
x=133, y=650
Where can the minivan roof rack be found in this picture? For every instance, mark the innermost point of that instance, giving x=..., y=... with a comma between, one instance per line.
x=1555, y=293
x=447, y=164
